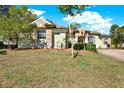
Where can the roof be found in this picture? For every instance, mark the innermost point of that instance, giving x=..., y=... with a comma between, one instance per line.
x=104, y=35
x=49, y=24
x=58, y=26
x=41, y=18
x=93, y=32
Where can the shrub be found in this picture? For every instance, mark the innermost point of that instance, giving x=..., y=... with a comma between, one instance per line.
x=90, y=47
x=78, y=46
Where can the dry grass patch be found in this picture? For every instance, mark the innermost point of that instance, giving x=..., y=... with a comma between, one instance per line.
x=56, y=68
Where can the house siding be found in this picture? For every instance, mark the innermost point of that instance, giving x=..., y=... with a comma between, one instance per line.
x=97, y=41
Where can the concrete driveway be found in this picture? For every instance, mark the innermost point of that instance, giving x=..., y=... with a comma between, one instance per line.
x=114, y=53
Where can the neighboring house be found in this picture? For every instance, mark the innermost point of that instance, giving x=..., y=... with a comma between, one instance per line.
x=101, y=41
x=49, y=35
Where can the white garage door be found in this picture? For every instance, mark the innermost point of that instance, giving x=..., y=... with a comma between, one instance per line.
x=59, y=40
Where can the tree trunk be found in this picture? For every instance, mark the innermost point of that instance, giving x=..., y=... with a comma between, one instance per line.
x=72, y=41
x=84, y=47
x=72, y=51
x=116, y=45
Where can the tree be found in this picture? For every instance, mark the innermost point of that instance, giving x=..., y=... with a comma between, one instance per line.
x=113, y=28
x=114, y=34
x=17, y=21
x=71, y=10
x=120, y=34
x=117, y=35
x=75, y=26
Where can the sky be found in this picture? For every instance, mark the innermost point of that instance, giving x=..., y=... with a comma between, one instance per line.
x=94, y=18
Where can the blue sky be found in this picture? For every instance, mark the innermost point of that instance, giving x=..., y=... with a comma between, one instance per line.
x=107, y=14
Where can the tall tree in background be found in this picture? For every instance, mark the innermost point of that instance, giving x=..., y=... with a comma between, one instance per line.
x=71, y=10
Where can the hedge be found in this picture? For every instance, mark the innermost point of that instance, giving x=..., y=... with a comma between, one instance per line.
x=89, y=47
x=78, y=46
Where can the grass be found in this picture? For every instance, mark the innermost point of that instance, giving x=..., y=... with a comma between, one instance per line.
x=56, y=68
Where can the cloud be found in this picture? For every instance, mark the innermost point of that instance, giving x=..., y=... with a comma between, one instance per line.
x=93, y=21
x=121, y=25
x=37, y=12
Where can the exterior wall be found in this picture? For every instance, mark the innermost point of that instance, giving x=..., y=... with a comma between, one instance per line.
x=55, y=38
x=49, y=38
x=40, y=23
x=102, y=43
x=86, y=38
x=97, y=41
x=77, y=35
x=109, y=41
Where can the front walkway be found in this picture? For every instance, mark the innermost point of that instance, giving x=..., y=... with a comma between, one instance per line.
x=114, y=53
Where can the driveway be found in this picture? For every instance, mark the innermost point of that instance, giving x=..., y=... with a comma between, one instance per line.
x=114, y=53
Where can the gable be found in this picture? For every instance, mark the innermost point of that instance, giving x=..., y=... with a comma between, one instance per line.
x=41, y=22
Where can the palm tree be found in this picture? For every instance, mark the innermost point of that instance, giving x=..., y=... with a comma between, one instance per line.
x=71, y=10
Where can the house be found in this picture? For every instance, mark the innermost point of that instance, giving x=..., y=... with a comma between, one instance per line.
x=100, y=40
x=48, y=35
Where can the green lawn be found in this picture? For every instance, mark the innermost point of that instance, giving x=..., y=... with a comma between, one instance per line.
x=56, y=68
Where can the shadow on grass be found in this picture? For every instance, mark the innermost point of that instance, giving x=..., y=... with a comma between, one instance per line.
x=3, y=52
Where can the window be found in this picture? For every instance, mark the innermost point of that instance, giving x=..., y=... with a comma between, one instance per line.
x=42, y=34
x=91, y=39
